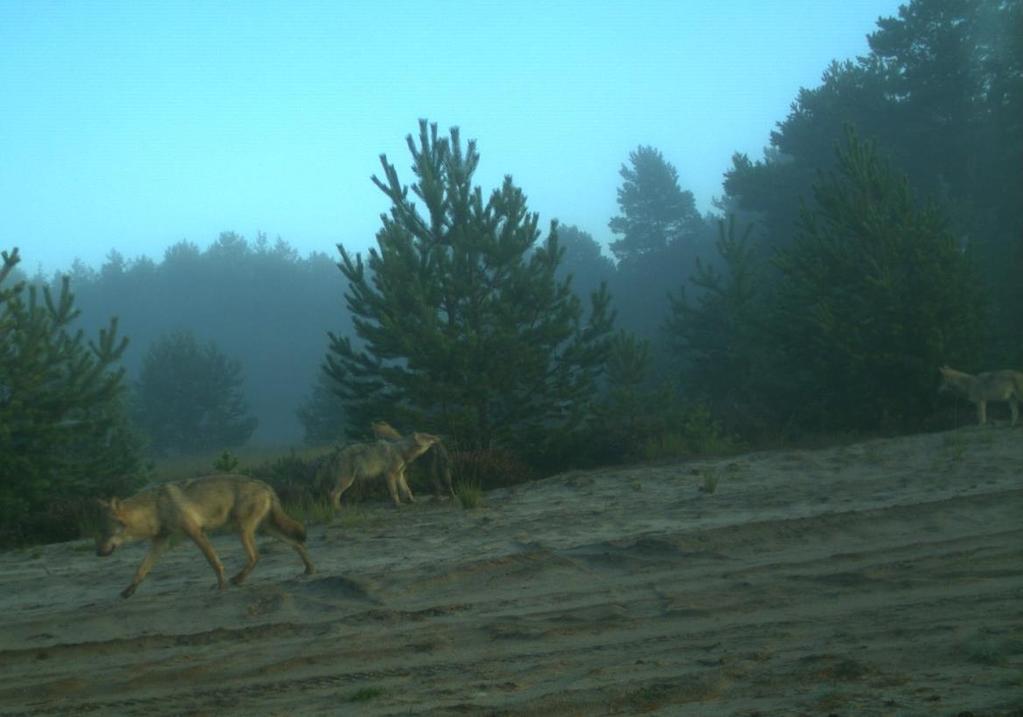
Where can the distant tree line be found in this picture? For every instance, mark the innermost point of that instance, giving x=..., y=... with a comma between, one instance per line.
x=258, y=306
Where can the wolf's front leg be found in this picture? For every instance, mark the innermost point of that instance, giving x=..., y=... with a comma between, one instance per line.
x=981, y=412
x=155, y=550
x=405, y=490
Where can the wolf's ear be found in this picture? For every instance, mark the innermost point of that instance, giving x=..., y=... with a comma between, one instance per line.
x=115, y=505
x=102, y=503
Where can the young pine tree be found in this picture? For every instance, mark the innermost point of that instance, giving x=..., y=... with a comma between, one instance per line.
x=63, y=431
x=463, y=326
x=875, y=294
x=718, y=338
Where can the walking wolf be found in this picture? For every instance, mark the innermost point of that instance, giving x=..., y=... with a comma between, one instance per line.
x=991, y=386
x=192, y=507
x=387, y=458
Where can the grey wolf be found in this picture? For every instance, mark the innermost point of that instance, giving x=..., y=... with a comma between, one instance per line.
x=191, y=508
x=438, y=458
x=387, y=458
x=983, y=387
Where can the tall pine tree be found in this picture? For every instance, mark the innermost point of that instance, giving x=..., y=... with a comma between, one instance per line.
x=875, y=295
x=462, y=323
x=661, y=234
x=656, y=212
x=717, y=337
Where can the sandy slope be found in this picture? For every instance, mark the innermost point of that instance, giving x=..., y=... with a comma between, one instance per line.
x=884, y=578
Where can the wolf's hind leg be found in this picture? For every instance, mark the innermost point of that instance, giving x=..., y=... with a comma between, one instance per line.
x=249, y=543
x=1014, y=407
x=343, y=484
x=200, y=539
x=296, y=544
x=981, y=413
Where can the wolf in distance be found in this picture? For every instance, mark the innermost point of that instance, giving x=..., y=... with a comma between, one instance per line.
x=386, y=458
x=438, y=459
x=983, y=387
x=191, y=508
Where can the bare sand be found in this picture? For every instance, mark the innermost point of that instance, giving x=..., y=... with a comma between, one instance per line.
x=882, y=578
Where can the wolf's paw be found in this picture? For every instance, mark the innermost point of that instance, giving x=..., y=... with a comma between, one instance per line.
x=128, y=591
x=238, y=579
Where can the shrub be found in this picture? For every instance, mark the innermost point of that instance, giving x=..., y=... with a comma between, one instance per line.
x=489, y=468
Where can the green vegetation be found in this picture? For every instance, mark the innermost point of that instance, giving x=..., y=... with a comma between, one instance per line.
x=189, y=396
x=64, y=435
x=710, y=480
x=874, y=294
x=469, y=494
x=226, y=462
x=364, y=694
x=464, y=327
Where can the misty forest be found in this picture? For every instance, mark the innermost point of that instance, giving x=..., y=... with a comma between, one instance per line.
x=878, y=238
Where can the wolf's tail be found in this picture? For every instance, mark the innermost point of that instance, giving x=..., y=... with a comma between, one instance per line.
x=284, y=522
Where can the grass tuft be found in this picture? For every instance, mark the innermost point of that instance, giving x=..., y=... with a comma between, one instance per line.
x=364, y=694
x=469, y=493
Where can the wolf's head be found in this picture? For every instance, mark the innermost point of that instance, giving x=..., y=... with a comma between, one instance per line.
x=113, y=527
x=948, y=382
x=425, y=439
x=421, y=443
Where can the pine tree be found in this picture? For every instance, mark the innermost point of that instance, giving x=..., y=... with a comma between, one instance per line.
x=656, y=212
x=63, y=431
x=322, y=414
x=718, y=338
x=189, y=396
x=463, y=325
x=875, y=295
x=661, y=235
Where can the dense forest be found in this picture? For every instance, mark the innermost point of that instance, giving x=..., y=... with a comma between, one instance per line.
x=879, y=237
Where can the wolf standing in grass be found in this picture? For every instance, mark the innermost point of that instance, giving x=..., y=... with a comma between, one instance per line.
x=191, y=508
x=991, y=386
x=387, y=458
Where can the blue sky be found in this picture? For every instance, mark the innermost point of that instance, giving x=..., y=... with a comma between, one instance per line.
x=134, y=125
